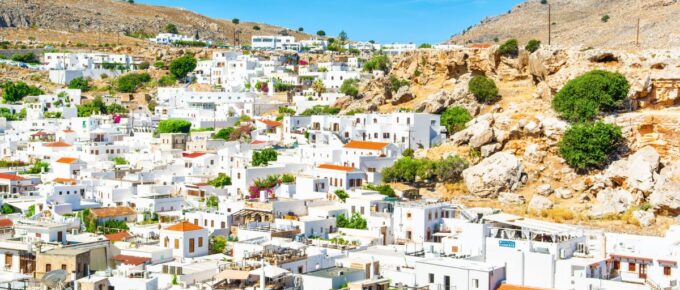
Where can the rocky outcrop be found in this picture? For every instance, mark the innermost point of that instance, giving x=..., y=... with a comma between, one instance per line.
x=539, y=203
x=637, y=172
x=610, y=202
x=499, y=172
x=666, y=195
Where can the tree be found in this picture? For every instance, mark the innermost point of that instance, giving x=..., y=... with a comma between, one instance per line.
x=510, y=48
x=217, y=244
x=7, y=209
x=96, y=106
x=318, y=87
x=174, y=126
x=377, y=62
x=119, y=160
x=584, y=97
x=182, y=66
x=27, y=58
x=115, y=108
x=341, y=194
x=349, y=87
x=450, y=169
x=171, y=28
x=484, y=89
x=408, y=153
x=355, y=222
x=342, y=36
x=212, y=201
x=455, y=118
x=30, y=212
x=15, y=92
x=220, y=181
x=167, y=81
x=38, y=167
x=605, y=18
x=321, y=33
x=533, y=45
x=301, y=29
x=129, y=83
x=79, y=83
x=224, y=133
x=236, y=21
x=256, y=28
x=589, y=145
x=263, y=157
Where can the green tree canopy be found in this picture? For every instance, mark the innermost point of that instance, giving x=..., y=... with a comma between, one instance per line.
x=509, y=48
x=533, y=45
x=174, y=126
x=321, y=33
x=263, y=157
x=129, y=83
x=79, y=83
x=220, y=181
x=355, y=222
x=378, y=62
x=484, y=89
x=350, y=87
x=182, y=66
x=171, y=28
x=13, y=92
x=455, y=118
x=589, y=145
x=584, y=97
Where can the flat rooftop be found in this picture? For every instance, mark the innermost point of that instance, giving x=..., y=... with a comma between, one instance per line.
x=531, y=224
x=333, y=272
x=460, y=264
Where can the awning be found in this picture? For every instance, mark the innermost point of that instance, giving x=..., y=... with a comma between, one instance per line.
x=270, y=271
x=232, y=275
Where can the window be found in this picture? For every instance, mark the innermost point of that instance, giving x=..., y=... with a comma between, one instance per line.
x=191, y=245
x=617, y=265
x=222, y=225
x=475, y=283
x=176, y=243
x=667, y=270
x=200, y=242
x=447, y=283
x=8, y=260
x=431, y=278
x=48, y=267
x=631, y=267
x=300, y=269
x=63, y=267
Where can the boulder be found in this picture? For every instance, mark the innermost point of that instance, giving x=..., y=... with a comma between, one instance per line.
x=564, y=193
x=638, y=171
x=489, y=149
x=477, y=133
x=666, y=193
x=644, y=218
x=511, y=198
x=403, y=95
x=611, y=201
x=544, y=189
x=533, y=153
x=539, y=203
x=500, y=171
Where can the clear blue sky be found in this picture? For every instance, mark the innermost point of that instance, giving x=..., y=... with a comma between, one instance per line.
x=384, y=21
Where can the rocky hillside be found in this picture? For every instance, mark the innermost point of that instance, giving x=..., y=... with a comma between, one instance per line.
x=512, y=144
x=121, y=17
x=580, y=22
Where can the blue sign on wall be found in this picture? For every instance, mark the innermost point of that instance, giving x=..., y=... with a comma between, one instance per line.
x=506, y=244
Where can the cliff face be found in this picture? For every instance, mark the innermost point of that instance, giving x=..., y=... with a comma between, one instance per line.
x=580, y=22
x=120, y=17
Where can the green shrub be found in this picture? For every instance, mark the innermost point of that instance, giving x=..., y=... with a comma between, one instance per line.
x=589, y=145
x=224, y=133
x=350, y=87
x=484, y=89
x=320, y=110
x=143, y=65
x=383, y=189
x=212, y=201
x=159, y=64
x=584, y=97
x=396, y=84
x=455, y=118
x=377, y=62
x=263, y=157
x=174, y=126
x=409, y=170
x=509, y=48
x=605, y=18
x=166, y=81
x=533, y=45
x=355, y=222
x=408, y=152
x=119, y=160
x=79, y=83
x=27, y=58
x=15, y=92
x=341, y=194
x=182, y=66
x=129, y=83
x=171, y=28
x=425, y=45
x=220, y=181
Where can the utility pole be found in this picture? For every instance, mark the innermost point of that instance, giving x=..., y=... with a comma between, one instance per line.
x=549, y=24
x=637, y=35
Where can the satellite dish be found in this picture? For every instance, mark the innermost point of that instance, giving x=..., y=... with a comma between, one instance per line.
x=54, y=279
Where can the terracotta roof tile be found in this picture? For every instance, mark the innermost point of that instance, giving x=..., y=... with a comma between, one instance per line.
x=517, y=287
x=64, y=180
x=270, y=123
x=131, y=260
x=184, y=227
x=257, y=142
x=119, y=236
x=6, y=223
x=67, y=160
x=366, y=145
x=336, y=167
x=112, y=211
x=57, y=144
x=193, y=154
x=8, y=176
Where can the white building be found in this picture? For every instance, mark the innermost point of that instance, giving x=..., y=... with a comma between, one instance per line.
x=186, y=240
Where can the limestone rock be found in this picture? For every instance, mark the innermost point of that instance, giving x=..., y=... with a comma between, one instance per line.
x=511, y=198
x=489, y=149
x=501, y=171
x=611, y=201
x=539, y=203
x=403, y=95
x=564, y=193
x=638, y=171
x=544, y=189
x=645, y=218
